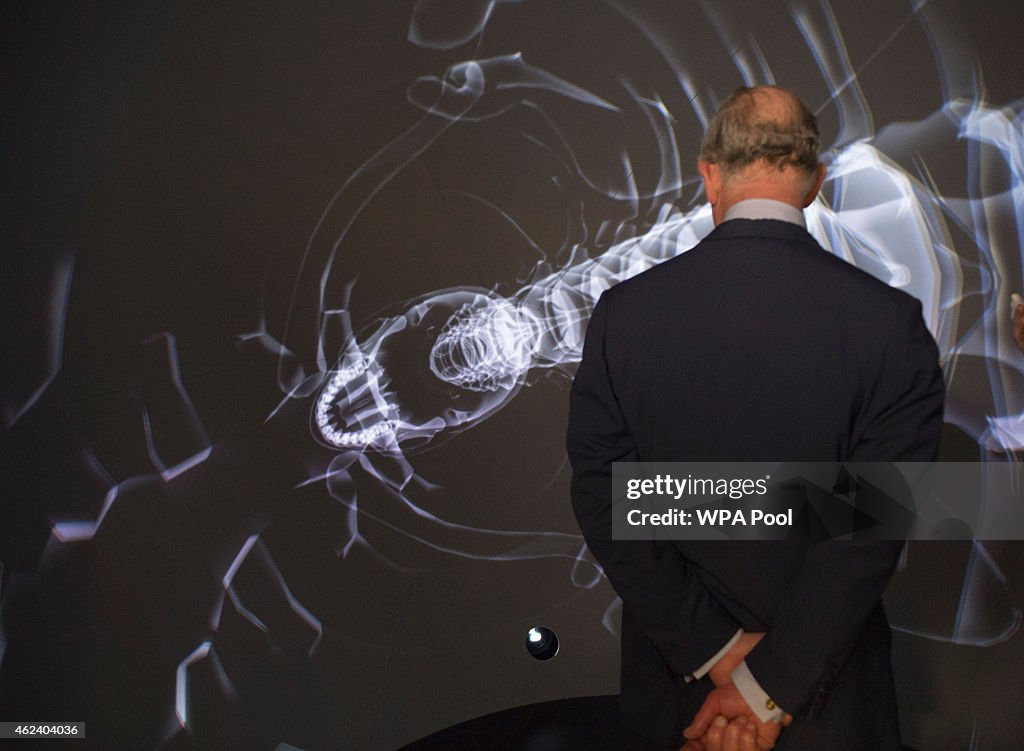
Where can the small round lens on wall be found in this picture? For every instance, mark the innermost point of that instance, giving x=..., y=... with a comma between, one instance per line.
x=541, y=643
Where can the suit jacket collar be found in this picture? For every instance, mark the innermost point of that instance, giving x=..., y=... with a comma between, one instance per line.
x=760, y=228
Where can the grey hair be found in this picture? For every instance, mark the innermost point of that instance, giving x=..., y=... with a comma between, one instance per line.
x=741, y=133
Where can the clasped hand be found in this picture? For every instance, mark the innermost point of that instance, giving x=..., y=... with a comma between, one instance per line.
x=725, y=722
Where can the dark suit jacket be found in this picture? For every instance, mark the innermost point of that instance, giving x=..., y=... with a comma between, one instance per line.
x=756, y=345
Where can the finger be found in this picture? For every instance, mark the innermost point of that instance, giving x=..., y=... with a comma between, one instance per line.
x=767, y=734
x=704, y=717
x=716, y=733
x=787, y=720
x=696, y=744
x=748, y=739
x=731, y=741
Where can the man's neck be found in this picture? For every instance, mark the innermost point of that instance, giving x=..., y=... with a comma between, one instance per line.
x=761, y=181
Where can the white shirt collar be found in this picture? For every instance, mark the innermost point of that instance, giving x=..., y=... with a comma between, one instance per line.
x=765, y=208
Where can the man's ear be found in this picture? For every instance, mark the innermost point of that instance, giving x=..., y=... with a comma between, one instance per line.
x=712, y=180
x=819, y=178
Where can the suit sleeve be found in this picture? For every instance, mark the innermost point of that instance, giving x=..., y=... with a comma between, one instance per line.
x=671, y=605
x=840, y=583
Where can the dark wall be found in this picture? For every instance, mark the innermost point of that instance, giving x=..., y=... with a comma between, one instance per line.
x=223, y=221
